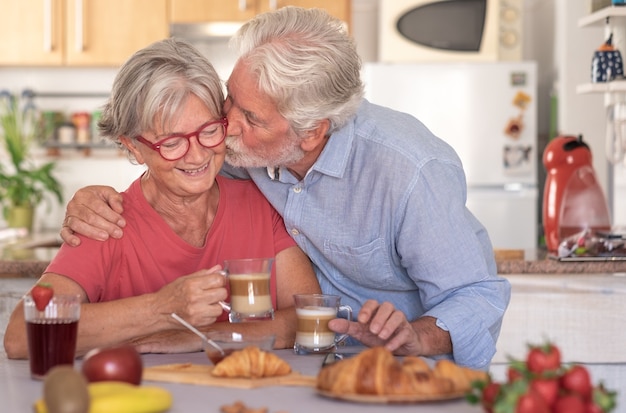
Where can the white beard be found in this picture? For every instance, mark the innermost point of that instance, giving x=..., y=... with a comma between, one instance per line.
x=240, y=156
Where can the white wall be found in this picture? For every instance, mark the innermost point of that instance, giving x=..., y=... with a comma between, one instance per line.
x=579, y=113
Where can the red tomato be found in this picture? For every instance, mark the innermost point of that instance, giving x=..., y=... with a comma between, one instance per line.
x=547, y=388
x=489, y=395
x=577, y=380
x=543, y=358
x=531, y=402
x=569, y=403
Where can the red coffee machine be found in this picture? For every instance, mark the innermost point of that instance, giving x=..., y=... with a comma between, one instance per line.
x=573, y=200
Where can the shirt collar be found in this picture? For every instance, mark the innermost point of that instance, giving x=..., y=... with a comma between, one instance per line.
x=334, y=157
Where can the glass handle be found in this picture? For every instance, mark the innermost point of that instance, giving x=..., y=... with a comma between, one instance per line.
x=225, y=306
x=348, y=310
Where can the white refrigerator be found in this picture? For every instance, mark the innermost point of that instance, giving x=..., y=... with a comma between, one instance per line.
x=488, y=113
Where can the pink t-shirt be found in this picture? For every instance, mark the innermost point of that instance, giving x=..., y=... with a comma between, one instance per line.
x=150, y=255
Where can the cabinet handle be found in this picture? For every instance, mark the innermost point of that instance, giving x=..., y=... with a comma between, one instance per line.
x=47, y=26
x=243, y=5
x=78, y=23
x=273, y=4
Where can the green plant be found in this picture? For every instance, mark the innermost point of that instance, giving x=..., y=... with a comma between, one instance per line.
x=22, y=183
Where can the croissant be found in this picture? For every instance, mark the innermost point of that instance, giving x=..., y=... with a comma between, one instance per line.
x=251, y=362
x=461, y=377
x=377, y=372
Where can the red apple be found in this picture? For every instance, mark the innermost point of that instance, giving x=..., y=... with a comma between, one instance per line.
x=120, y=363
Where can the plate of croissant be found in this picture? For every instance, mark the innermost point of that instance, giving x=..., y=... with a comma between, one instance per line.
x=376, y=376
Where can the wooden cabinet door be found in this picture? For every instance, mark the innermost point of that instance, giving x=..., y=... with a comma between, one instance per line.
x=108, y=32
x=338, y=8
x=203, y=11
x=31, y=32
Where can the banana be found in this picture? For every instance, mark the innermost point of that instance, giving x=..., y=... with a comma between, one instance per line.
x=120, y=397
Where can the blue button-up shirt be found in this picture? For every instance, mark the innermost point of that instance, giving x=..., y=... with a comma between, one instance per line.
x=382, y=216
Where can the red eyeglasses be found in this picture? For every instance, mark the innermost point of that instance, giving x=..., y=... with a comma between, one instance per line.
x=175, y=147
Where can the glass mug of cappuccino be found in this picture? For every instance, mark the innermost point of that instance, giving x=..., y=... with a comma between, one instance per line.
x=313, y=312
x=250, y=291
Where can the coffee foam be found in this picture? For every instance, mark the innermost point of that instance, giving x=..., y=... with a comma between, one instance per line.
x=316, y=311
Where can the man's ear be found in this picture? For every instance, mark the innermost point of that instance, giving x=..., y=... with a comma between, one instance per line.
x=316, y=136
x=130, y=145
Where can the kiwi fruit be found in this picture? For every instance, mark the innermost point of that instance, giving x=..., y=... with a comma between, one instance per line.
x=65, y=391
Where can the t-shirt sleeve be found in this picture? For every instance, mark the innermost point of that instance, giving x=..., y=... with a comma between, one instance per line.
x=282, y=240
x=84, y=265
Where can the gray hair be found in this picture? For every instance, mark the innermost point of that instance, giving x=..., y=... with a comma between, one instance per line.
x=154, y=84
x=306, y=62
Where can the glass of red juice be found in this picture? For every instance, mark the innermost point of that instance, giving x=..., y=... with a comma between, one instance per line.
x=51, y=333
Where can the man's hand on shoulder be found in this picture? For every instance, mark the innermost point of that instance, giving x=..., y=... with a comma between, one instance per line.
x=95, y=212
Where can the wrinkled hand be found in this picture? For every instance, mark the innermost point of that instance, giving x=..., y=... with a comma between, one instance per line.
x=194, y=297
x=381, y=325
x=95, y=212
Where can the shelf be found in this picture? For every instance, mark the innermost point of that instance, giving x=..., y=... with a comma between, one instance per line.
x=599, y=17
x=602, y=87
x=63, y=95
x=92, y=145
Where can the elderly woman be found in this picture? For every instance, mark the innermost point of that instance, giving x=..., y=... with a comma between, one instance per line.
x=183, y=220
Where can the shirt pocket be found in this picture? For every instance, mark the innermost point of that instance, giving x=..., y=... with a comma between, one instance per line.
x=367, y=265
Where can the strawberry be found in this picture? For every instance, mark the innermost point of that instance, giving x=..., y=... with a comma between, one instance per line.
x=577, y=379
x=544, y=358
x=569, y=403
x=603, y=398
x=42, y=294
x=547, y=388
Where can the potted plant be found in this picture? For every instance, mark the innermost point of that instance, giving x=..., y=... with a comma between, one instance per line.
x=23, y=185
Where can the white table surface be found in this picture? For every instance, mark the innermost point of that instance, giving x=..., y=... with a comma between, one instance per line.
x=18, y=391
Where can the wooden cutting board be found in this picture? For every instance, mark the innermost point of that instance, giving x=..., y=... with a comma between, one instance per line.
x=201, y=374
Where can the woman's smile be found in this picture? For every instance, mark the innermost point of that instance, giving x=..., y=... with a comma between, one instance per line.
x=195, y=172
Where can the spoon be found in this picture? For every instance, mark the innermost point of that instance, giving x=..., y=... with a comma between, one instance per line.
x=199, y=334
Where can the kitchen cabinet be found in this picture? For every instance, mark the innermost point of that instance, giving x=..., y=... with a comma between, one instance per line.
x=205, y=11
x=78, y=32
x=337, y=8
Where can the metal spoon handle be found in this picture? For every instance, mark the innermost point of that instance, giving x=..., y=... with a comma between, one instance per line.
x=198, y=332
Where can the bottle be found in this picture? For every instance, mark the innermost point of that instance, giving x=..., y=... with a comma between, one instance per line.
x=82, y=122
x=573, y=200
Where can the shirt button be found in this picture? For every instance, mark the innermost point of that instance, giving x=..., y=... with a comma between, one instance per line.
x=294, y=231
x=297, y=189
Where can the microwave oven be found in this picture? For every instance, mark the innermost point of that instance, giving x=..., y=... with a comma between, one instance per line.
x=450, y=30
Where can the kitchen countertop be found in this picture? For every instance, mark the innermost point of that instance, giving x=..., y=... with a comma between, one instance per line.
x=538, y=262
x=29, y=257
